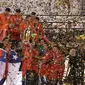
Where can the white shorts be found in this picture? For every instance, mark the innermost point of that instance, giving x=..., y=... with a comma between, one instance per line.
x=14, y=76
x=2, y=69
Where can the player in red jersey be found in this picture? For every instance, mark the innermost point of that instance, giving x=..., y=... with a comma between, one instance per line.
x=15, y=35
x=17, y=17
x=4, y=22
x=58, y=65
x=5, y=17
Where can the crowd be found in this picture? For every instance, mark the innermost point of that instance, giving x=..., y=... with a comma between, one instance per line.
x=24, y=47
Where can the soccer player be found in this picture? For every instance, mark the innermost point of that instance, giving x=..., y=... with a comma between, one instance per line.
x=15, y=35
x=3, y=55
x=17, y=17
x=13, y=66
x=4, y=21
x=5, y=17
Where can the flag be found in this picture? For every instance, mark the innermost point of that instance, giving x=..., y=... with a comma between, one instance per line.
x=14, y=58
x=13, y=69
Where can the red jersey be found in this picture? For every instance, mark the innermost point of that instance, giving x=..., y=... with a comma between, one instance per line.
x=23, y=27
x=35, y=60
x=16, y=18
x=41, y=30
x=4, y=21
x=4, y=31
x=27, y=62
x=15, y=34
x=50, y=66
x=4, y=18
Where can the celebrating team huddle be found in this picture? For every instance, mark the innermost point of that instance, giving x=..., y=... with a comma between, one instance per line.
x=25, y=48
